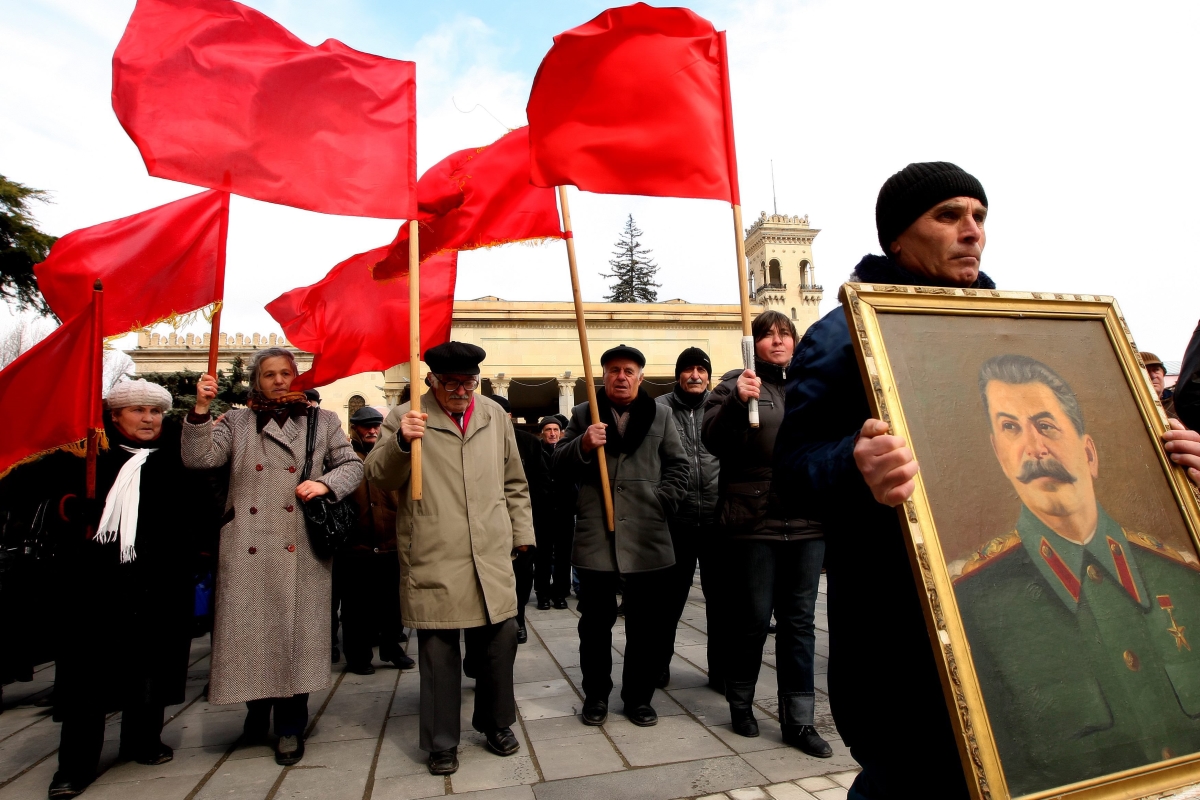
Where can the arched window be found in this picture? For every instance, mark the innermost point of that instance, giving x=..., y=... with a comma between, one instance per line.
x=355, y=402
x=806, y=277
x=793, y=312
x=774, y=278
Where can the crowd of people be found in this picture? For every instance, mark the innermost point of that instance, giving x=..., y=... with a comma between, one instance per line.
x=506, y=517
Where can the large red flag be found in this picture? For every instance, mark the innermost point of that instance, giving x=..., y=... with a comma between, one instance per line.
x=155, y=265
x=216, y=94
x=63, y=366
x=479, y=197
x=635, y=102
x=354, y=324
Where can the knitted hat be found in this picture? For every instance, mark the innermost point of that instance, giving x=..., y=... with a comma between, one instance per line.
x=138, y=393
x=914, y=190
x=367, y=417
x=550, y=420
x=692, y=357
x=455, y=358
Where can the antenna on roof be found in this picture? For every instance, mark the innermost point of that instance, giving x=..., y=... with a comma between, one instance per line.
x=774, y=203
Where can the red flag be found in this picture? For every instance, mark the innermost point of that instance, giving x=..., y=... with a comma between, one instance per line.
x=62, y=366
x=155, y=265
x=635, y=102
x=354, y=324
x=475, y=198
x=216, y=94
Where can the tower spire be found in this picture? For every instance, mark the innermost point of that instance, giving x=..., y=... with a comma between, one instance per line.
x=774, y=202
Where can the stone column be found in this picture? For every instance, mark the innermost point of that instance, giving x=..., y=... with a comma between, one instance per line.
x=566, y=395
x=500, y=385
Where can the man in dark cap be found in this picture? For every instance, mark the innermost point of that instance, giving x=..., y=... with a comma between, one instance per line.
x=313, y=397
x=370, y=567
x=693, y=531
x=554, y=521
x=456, y=547
x=1157, y=371
x=648, y=473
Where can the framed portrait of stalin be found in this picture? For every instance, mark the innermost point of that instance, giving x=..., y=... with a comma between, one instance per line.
x=1055, y=542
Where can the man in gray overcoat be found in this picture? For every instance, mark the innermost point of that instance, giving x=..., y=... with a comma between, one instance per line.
x=648, y=473
x=456, y=546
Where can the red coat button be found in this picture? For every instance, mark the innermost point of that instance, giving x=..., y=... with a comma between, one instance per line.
x=291, y=469
x=252, y=550
x=253, y=510
x=258, y=467
x=291, y=548
x=289, y=509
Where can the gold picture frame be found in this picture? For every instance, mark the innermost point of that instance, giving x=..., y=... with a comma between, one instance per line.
x=894, y=329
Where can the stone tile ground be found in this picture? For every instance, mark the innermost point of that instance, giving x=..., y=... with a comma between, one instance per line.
x=363, y=738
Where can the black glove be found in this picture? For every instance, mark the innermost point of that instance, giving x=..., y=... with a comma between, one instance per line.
x=81, y=510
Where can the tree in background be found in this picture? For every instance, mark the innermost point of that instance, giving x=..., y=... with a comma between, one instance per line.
x=232, y=389
x=21, y=246
x=632, y=268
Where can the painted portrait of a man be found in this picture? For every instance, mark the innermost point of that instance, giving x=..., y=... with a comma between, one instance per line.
x=1085, y=635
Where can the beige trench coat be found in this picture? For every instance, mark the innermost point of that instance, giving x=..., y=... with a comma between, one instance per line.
x=271, y=632
x=456, y=544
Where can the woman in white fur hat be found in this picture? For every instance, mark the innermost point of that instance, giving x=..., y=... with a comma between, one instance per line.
x=126, y=627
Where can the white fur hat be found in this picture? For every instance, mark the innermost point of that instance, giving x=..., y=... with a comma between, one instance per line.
x=138, y=393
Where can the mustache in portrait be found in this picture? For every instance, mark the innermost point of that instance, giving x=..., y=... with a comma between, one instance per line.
x=1045, y=468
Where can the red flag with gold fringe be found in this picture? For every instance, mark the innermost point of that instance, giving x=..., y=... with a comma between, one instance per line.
x=156, y=265
x=353, y=323
x=479, y=197
x=216, y=94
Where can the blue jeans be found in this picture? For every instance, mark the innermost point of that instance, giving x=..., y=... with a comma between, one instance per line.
x=783, y=576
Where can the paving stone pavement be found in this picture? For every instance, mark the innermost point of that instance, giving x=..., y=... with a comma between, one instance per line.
x=362, y=740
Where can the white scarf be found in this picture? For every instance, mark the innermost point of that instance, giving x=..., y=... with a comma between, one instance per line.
x=121, y=505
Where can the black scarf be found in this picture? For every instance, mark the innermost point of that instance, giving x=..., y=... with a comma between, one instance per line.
x=641, y=416
x=881, y=269
x=687, y=399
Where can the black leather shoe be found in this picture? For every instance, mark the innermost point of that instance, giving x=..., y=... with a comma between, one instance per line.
x=560, y=603
x=743, y=721
x=806, y=739
x=643, y=716
x=543, y=604
x=522, y=635
x=443, y=762
x=152, y=757
x=402, y=661
x=361, y=669
x=502, y=742
x=664, y=678
x=61, y=788
x=289, y=750
x=595, y=712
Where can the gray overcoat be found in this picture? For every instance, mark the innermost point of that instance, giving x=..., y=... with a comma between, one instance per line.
x=271, y=632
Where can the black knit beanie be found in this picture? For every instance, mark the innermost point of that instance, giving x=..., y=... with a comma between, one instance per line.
x=692, y=357
x=914, y=190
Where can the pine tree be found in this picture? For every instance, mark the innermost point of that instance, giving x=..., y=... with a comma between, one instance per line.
x=632, y=268
x=21, y=246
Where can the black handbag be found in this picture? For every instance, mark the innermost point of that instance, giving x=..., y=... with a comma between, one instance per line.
x=329, y=524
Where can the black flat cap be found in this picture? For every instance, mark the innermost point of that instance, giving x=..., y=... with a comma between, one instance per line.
x=624, y=351
x=313, y=395
x=502, y=401
x=367, y=417
x=550, y=420
x=455, y=358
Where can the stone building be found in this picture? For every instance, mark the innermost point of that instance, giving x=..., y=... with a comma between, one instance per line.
x=533, y=348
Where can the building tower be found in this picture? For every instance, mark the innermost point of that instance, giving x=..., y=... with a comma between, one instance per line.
x=780, y=267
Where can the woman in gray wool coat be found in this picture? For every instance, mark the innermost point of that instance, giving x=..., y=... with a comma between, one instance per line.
x=271, y=632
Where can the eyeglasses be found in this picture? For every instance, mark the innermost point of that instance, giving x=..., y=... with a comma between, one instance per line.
x=451, y=385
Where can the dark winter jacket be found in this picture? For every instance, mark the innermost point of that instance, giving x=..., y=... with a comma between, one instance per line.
x=648, y=473
x=376, y=528
x=126, y=628
x=881, y=663
x=747, y=510
x=1187, y=388
x=699, y=507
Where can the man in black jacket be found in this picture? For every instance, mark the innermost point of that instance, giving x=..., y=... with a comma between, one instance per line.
x=554, y=523
x=648, y=473
x=693, y=529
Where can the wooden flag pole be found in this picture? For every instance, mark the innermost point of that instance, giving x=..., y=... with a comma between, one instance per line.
x=215, y=333
x=414, y=348
x=95, y=392
x=744, y=300
x=581, y=324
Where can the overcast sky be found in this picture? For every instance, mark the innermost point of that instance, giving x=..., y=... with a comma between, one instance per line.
x=1079, y=119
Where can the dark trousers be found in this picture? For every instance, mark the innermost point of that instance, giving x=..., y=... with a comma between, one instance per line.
x=335, y=598
x=523, y=569
x=492, y=649
x=291, y=713
x=82, y=738
x=552, y=571
x=783, y=576
x=698, y=543
x=644, y=621
x=370, y=605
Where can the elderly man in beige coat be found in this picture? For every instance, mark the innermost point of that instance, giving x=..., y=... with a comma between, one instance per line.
x=456, y=547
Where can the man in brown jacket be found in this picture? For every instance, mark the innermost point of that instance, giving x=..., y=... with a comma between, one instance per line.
x=371, y=595
x=456, y=547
